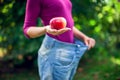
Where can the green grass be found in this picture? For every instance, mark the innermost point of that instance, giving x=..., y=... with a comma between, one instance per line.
x=98, y=68
x=90, y=68
x=22, y=74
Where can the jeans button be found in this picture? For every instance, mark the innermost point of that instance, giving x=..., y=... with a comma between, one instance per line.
x=78, y=46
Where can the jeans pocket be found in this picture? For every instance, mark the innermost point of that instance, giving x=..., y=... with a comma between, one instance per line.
x=64, y=58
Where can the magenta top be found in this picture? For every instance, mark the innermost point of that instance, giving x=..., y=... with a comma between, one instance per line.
x=46, y=10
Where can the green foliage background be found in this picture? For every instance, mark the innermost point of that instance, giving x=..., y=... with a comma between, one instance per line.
x=99, y=19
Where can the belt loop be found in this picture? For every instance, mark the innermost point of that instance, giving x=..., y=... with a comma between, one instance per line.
x=53, y=43
x=49, y=42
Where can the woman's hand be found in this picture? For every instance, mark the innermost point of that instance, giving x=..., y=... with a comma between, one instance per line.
x=56, y=32
x=90, y=42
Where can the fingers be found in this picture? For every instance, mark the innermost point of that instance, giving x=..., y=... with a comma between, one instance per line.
x=57, y=32
x=90, y=43
x=86, y=43
x=50, y=31
x=63, y=30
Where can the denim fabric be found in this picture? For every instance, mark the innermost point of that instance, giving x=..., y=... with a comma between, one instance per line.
x=59, y=60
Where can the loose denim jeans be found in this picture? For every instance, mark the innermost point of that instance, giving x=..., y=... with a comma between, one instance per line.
x=59, y=60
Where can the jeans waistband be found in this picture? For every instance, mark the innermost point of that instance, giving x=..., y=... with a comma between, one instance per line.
x=51, y=41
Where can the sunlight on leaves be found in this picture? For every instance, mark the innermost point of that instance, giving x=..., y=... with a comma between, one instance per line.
x=100, y=15
x=97, y=8
x=0, y=38
x=78, y=26
x=106, y=8
x=75, y=19
x=11, y=5
x=94, y=1
x=106, y=1
x=117, y=6
x=7, y=7
x=4, y=10
x=3, y=52
x=12, y=24
x=98, y=28
x=92, y=22
x=110, y=19
x=115, y=60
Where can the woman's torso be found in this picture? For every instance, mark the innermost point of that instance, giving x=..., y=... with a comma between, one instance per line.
x=46, y=10
x=58, y=8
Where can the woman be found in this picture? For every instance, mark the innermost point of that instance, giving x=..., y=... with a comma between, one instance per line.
x=60, y=52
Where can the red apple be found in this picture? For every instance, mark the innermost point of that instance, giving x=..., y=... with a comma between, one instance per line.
x=58, y=23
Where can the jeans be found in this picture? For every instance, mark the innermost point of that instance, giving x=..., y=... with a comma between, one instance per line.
x=59, y=60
